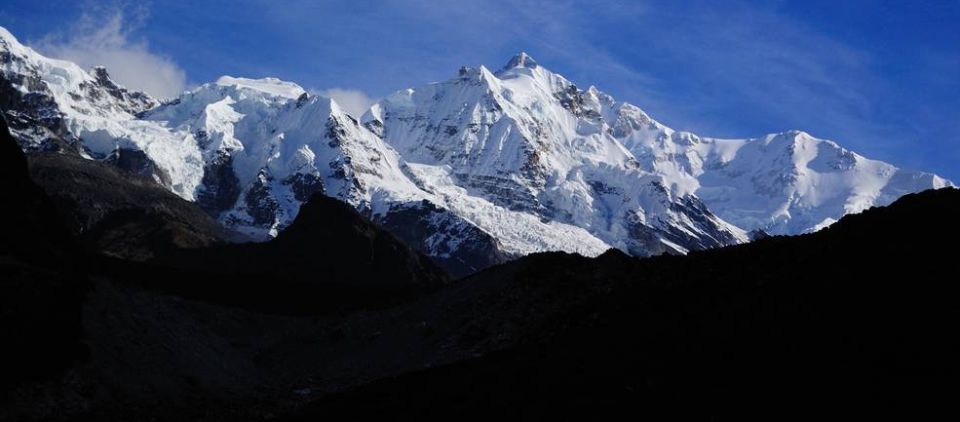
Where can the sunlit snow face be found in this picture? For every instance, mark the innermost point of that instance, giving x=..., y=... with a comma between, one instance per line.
x=521, y=154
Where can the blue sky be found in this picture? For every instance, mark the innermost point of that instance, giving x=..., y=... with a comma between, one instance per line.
x=880, y=77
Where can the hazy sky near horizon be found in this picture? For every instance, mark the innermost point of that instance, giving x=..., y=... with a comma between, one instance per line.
x=880, y=77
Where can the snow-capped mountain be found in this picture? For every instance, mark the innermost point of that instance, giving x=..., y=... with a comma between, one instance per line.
x=55, y=105
x=784, y=183
x=471, y=171
x=529, y=140
x=251, y=151
x=556, y=144
x=268, y=145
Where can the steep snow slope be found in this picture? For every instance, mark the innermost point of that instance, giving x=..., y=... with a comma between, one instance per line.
x=268, y=145
x=785, y=183
x=529, y=139
x=281, y=145
x=55, y=104
x=526, y=139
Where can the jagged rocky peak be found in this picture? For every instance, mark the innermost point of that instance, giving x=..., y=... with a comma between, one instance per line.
x=134, y=102
x=28, y=103
x=522, y=59
x=478, y=76
x=103, y=78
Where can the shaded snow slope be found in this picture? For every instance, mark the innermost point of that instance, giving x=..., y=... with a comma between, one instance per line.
x=529, y=140
x=784, y=183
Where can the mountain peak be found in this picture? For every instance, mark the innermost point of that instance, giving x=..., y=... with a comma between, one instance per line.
x=7, y=35
x=521, y=59
x=8, y=42
x=102, y=76
x=135, y=101
x=271, y=86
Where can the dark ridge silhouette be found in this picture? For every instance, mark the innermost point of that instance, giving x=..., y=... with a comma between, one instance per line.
x=331, y=258
x=42, y=281
x=32, y=233
x=328, y=260
x=859, y=315
x=118, y=213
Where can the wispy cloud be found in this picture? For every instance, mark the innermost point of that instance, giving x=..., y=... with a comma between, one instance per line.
x=353, y=101
x=105, y=38
x=765, y=62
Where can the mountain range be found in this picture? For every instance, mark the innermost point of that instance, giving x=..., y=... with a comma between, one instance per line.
x=473, y=248
x=476, y=170
x=337, y=318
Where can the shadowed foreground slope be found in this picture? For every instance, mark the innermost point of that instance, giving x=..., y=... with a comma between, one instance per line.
x=119, y=213
x=87, y=333
x=863, y=313
x=330, y=258
x=42, y=280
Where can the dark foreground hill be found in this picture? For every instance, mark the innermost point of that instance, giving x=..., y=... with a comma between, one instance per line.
x=60, y=260
x=329, y=259
x=133, y=229
x=337, y=318
x=860, y=315
x=118, y=213
x=42, y=282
